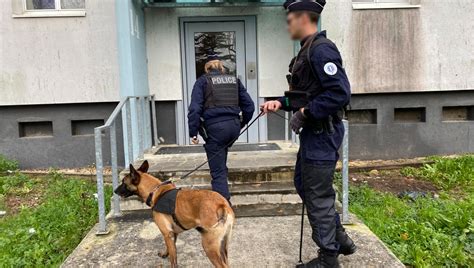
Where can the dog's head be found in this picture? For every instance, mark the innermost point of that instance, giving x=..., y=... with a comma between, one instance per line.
x=131, y=181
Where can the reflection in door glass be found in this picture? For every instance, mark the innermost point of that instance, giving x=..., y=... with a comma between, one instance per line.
x=223, y=44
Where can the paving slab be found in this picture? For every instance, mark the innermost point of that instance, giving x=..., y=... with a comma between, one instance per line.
x=134, y=241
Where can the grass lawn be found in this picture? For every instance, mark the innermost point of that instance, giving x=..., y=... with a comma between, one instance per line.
x=47, y=216
x=433, y=227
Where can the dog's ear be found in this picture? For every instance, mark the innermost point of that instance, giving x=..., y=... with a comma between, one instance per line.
x=134, y=175
x=144, y=167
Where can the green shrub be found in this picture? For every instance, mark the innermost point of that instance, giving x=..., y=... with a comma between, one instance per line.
x=445, y=172
x=45, y=235
x=16, y=183
x=424, y=233
x=7, y=165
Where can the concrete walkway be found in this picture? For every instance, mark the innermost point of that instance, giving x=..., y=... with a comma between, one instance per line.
x=134, y=241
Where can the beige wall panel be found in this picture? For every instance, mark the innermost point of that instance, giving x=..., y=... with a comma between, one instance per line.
x=401, y=50
x=61, y=59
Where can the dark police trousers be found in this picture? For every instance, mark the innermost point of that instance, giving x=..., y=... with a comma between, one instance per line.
x=314, y=183
x=219, y=135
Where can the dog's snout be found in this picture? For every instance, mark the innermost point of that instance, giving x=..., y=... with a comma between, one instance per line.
x=120, y=190
x=123, y=191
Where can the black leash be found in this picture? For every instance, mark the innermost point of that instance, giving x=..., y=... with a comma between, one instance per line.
x=300, y=261
x=215, y=155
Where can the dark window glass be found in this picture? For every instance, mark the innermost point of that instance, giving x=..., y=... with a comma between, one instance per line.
x=40, y=4
x=222, y=43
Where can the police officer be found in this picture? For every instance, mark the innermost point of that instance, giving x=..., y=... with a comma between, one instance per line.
x=216, y=103
x=319, y=89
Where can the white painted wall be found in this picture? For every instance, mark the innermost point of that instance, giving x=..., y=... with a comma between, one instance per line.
x=398, y=50
x=275, y=50
x=59, y=60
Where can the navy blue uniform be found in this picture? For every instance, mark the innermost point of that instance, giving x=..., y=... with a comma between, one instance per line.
x=318, y=152
x=223, y=126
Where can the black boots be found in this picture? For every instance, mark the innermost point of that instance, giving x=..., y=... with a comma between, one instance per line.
x=329, y=260
x=324, y=260
x=346, y=245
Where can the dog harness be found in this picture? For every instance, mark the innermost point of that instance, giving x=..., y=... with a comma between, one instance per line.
x=166, y=204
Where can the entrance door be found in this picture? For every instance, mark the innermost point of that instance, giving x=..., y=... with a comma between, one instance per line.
x=230, y=41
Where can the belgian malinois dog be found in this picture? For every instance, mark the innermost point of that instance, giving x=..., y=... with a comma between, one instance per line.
x=204, y=210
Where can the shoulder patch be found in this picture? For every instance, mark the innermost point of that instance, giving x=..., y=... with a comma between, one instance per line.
x=330, y=68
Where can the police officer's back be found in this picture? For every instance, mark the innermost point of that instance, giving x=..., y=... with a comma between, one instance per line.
x=217, y=101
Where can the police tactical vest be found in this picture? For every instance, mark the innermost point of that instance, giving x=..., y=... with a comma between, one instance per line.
x=222, y=91
x=303, y=77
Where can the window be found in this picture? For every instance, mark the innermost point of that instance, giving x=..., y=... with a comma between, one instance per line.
x=85, y=127
x=410, y=115
x=376, y=4
x=368, y=116
x=35, y=129
x=458, y=113
x=48, y=8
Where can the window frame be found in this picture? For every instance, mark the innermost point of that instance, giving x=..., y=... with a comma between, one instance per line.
x=385, y=4
x=20, y=10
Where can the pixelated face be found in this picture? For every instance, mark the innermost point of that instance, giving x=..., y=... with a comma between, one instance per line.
x=131, y=181
x=295, y=23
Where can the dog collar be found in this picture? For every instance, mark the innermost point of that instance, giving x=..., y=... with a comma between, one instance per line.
x=148, y=199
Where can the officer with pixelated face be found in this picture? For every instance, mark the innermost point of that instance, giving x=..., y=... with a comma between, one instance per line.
x=319, y=90
x=217, y=101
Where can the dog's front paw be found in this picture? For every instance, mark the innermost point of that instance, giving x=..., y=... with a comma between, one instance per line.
x=163, y=254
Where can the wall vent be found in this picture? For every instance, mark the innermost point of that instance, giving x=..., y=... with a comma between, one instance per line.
x=85, y=127
x=364, y=116
x=410, y=115
x=458, y=113
x=35, y=129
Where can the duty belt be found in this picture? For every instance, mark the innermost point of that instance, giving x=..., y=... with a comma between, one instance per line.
x=325, y=125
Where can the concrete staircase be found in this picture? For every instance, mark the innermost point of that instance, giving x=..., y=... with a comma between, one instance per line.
x=261, y=182
x=265, y=235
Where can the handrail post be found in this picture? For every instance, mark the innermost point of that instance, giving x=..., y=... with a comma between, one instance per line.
x=100, y=181
x=154, y=123
x=147, y=129
x=139, y=112
x=129, y=132
x=345, y=174
x=114, y=164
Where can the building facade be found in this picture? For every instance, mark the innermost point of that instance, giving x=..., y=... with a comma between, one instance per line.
x=65, y=64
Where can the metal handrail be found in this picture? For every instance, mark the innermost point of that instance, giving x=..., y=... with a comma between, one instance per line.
x=141, y=108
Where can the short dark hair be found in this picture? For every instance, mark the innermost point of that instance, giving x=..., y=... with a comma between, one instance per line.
x=313, y=16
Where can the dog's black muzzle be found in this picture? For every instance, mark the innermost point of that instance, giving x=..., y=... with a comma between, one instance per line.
x=123, y=191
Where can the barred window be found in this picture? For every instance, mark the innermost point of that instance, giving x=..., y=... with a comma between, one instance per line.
x=374, y=4
x=48, y=8
x=54, y=4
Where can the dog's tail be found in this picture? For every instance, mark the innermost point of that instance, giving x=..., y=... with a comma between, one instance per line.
x=227, y=219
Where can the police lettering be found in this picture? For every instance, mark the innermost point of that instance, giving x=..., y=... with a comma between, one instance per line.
x=219, y=80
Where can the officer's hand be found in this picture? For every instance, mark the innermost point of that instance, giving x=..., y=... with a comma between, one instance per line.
x=270, y=106
x=195, y=140
x=297, y=121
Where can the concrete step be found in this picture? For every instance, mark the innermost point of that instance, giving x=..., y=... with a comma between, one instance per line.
x=249, y=199
x=236, y=176
x=261, y=182
x=244, y=166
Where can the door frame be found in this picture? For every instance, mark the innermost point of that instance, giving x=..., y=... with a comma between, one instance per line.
x=250, y=30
